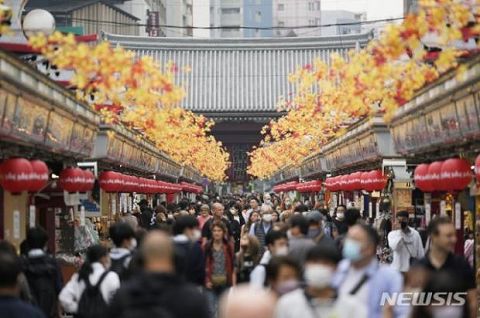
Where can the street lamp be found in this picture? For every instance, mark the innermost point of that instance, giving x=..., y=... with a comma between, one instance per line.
x=38, y=21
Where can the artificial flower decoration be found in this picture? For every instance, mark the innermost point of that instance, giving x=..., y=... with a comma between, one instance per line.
x=138, y=93
x=381, y=77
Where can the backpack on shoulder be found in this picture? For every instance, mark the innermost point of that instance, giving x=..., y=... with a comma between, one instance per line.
x=92, y=304
x=118, y=266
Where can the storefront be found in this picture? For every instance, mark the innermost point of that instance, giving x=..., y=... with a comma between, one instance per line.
x=442, y=122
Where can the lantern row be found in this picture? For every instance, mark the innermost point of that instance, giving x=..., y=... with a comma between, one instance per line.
x=450, y=175
x=369, y=181
x=18, y=175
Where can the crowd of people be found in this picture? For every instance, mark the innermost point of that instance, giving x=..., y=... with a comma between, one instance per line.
x=244, y=256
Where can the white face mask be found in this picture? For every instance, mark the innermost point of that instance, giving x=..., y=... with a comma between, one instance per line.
x=267, y=218
x=133, y=244
x=196, y=235
x=318, y=276
x=281, y=251
x=340, y=216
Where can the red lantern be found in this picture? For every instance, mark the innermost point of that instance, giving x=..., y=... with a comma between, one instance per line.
x=111, y=181
x=433, y=180
x=420, y=177
x=39, y=178
x=477, y=168
x=343, y=182
x=89, y=181
x=71, y=179
x=364, y=181
x=456, y=174
x=375, y=181
x=15, y=175
x=335, y=183
x=356, y=181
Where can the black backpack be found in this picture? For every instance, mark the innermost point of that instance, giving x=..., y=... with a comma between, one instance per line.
x=41, y=273
x=92, y=304
x=118, y=266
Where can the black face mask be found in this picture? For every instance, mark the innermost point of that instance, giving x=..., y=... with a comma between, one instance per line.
x=403, y=224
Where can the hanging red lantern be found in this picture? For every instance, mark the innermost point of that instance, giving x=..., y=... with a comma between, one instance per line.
x=15, y=175
x=71, y=180
x=376, y=181
x=111, y=181
x=356, y=181
x=39, y=177
x=433, y=180
x=89, y=181
x=342, y=182
x=420, y=177
x=364, y=181
x=477, y=168
x=336, y=184
x=456, y=174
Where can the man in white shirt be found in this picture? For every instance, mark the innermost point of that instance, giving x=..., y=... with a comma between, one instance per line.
x=406, y=244
x=318, y=298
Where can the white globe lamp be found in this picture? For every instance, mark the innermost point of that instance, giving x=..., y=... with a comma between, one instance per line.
x=38, y=21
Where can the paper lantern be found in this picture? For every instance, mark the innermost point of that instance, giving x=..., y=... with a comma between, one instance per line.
x=111, y=181
x=456, y=174
x=356, y=181
x=89, y=181
x=364, y=181
x=477, y=168
x=39, y=177
x=420, y=177
x=433, y=180
x=71, y=180
x=15, y=175
x=376, y=181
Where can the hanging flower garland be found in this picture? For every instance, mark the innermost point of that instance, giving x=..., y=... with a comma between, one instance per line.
x=140, y=94
x=379, y=78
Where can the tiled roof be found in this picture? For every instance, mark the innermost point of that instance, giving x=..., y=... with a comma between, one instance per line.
x=238, y=75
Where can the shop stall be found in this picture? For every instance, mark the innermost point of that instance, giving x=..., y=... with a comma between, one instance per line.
x=438, y=132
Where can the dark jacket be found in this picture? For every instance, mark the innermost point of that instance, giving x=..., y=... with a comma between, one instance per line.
x=158, y=295
x=45, y=281
x=189, y=261
x=11, y=307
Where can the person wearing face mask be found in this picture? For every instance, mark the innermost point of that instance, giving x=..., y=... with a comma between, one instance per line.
x=254, y=207
x=189, y=257
x=94, y=273
x=236, y=221
x=284, y=275
x=406, y=244
x=318, y=298
x=264, y=226
x=277, y=245
x=299, y=243
x=361, y=276
x=339, y=220
x=123, y=237
x=316, y=231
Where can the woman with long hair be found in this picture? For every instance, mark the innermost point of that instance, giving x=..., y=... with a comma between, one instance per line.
x=247, y=258
x=235, y=217
x=219, y=257
x=254, y=218
x=94, y=273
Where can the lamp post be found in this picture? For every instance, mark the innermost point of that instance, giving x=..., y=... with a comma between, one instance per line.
x=38, y=21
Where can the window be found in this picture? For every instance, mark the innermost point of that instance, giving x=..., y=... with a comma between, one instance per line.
x=230, y=10
x=318, y=5
x=311, y=6
x=317, y=21
x=258, y=16
x=281, y=23
x=311, y=22
x=281, y=7
x=257, y=33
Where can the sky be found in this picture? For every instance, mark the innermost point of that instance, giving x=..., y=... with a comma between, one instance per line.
x=376, y=9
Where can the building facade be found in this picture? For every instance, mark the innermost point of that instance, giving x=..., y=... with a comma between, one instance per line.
x=151, y=14
x=258, y=13
x=89, y=17
x=179, y=13
x=293, y=13
x=346, y=22
x=237, y=82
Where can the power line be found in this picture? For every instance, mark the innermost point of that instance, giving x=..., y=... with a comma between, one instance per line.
x=239, y=26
